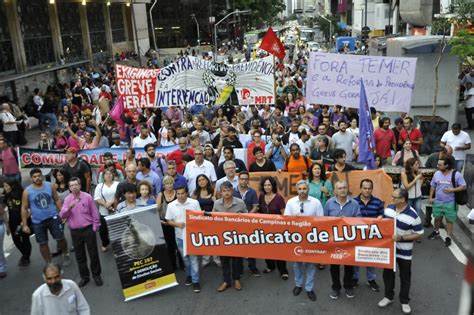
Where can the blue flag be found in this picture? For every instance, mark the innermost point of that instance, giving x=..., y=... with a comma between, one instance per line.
x=366, y=131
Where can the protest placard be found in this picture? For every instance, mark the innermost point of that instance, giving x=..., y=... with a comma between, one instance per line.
x=140, y=252
x=334, y=79
x=325, y=240
x=191, y=80
x=136, y=86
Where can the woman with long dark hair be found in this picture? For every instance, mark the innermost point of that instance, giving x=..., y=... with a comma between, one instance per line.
x=412, y=180
x=271, y=202
x=13, y=193
x=61, y=180
x=204, y=194
x=319, y=187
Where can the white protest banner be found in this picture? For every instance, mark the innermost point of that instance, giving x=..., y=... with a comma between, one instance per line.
x=136, y=86
x=191, y=80
x=334, y=79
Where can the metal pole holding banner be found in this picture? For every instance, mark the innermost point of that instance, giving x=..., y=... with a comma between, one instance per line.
x=198, y=35
x=152, y=25
x=136, y=34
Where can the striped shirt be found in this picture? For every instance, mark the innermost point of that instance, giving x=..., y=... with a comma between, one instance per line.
x=408, y=222
x=372, y=209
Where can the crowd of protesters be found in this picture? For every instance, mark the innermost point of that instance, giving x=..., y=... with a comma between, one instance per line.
x=203, y=173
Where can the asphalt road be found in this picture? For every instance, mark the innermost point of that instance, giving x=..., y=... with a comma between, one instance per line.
x=436, y=281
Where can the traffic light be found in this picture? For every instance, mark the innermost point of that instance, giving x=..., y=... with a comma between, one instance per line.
x=365, y=33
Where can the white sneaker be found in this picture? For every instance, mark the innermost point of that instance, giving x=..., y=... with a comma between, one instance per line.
x=406, y=309
x=385, y=302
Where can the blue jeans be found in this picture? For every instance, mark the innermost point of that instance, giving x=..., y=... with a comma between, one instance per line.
x=53, y=122
x=369, y=270
x=191, y=263
x=3, y=261
x=415, y=203
x=298, y=268
x=458, y=165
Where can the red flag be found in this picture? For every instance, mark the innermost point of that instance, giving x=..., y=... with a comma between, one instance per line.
x=272, y=44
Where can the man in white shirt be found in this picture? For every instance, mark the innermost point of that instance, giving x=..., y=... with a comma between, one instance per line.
x=344, y=139
x=304, y=205
x=57, y=295
x=197, y=167
x=229, y=169
x=201, y=133
x=459, y=141
x=143, y=138
x=10, y=128
x=176, y=217
x=469, y=105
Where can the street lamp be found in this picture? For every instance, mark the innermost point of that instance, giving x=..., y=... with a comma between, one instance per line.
x=215, y=27
x=198, y=35
x=330, y=29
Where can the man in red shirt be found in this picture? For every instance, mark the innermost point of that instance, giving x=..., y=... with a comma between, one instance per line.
x=384, y=141
x=414, y=134
x=177, y=155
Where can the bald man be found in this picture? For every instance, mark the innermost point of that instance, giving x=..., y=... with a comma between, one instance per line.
x=58, y=295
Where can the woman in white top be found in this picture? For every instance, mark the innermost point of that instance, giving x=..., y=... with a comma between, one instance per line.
x=104, y=196
x=412, y=181
x=10, y=128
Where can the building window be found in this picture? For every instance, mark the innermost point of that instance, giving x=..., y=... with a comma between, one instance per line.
x=116, y=21
x=71, y=35
x=36, y=31
x=7, y=62
x=95, y=18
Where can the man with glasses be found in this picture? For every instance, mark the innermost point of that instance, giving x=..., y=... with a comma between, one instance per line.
x=177, y=155
x=229, y=169
x=304, y=205
x=231, y=266
x=409, y=229
x=341, y=205
x=179, y=180
x=197, y=167
x=249, y=196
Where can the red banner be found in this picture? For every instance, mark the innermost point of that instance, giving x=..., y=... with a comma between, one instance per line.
x=326, y=240
x=136, y=86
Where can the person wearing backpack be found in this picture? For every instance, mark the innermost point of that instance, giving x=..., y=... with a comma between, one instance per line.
x=450, y=188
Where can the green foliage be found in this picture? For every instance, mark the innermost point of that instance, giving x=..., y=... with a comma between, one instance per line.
x=462, y=45
x=263, y=12
x=460, y=13
x=324, y=25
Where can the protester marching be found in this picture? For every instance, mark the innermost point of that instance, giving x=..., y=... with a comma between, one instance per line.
x=289, y=160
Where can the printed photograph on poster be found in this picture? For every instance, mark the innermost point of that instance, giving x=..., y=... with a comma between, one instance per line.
x=140, y=252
